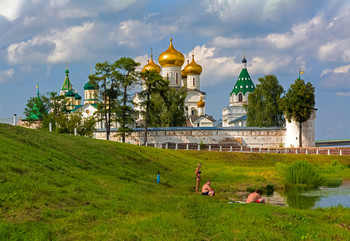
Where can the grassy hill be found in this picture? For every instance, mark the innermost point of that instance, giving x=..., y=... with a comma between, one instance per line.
x=61, y=187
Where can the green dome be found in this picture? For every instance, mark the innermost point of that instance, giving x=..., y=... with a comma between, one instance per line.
x=70, y=93
x=66, y=84
x=77, y=96
x=89, y=86
x=244, y=83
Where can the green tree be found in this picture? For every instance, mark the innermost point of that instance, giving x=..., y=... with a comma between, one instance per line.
x=56, y=107
x=298, y=103
x=36, y=108
x=127, y=78
x=168, y=111
x=154, y=84
x=262, y=108
x=106, y=77
x=66, y=123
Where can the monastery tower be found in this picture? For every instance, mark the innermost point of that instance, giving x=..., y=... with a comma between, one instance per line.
x=235, y=114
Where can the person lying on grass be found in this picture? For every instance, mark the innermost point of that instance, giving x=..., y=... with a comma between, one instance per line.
x=255, y=197
x=207, y=189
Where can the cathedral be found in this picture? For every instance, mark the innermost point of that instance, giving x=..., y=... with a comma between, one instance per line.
x=171, y=62
x=74, y=99
x=170, y=68
x=235, y=115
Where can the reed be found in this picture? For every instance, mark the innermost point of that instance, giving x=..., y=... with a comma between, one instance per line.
x=302, y=172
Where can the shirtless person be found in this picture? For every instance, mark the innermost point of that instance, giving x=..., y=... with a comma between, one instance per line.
x=207, y=190
x=198, y=176
x=255, y=197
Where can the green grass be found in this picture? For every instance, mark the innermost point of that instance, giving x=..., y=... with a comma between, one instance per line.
x=61, y=187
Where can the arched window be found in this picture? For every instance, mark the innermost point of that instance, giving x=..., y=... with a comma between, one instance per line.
x=193, y=111
x=240, y=97
x=194, y=81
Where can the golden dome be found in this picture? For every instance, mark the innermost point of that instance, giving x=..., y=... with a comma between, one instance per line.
x=183, y=73
x=193, y=67
x=200, y=103
x=151, y=67
x=171, y=57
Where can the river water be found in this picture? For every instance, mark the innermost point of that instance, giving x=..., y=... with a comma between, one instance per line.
x=309, y=199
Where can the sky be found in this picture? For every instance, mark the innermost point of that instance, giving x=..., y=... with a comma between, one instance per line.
x=278, y=37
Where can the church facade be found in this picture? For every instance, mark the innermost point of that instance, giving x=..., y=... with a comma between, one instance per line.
x=170, y=68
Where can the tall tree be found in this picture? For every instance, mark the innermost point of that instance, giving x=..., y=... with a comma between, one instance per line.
x=168, y=111
x=36, y=108
x=127, y=77
x=154, y=84
x=262, y=108
x=298, y=103
x=56, y=106
x=106, y=77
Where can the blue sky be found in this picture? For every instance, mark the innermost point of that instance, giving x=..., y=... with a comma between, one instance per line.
x=37, y=37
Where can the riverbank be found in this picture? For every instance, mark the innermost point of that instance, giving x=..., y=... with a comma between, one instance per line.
x=62, y=187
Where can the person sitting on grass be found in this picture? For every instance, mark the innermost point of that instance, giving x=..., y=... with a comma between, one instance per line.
x=207, y=189
x=255, y=197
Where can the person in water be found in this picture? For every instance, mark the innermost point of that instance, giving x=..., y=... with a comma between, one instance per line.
x=207, y=189
x=198, y=176
x=255, y=197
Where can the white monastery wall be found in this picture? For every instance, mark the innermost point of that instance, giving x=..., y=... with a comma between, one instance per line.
x=249, y=137
x=308, y=132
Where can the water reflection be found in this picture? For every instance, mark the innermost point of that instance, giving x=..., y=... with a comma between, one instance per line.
x=306, y=199
x=297, y=200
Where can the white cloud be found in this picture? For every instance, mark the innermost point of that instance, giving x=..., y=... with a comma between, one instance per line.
x=118, y=5
x=215, y=67
x=11, y=9
x=337, y=78
x=339, y=70
x=72, y=44
x=7, y=74
x=298, y=34
x=326, y=51
x=76, y=13
x=132, y=33
x=58, y=3
x=225, y=42
x=232, y=9
x=343, y=93
x=142, y=59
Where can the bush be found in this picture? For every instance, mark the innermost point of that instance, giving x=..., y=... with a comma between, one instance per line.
x=201, y=145
x=302, y=172
x=280, y=169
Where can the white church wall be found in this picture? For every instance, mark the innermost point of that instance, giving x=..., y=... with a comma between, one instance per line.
x=231, y=113
x=190, y=82
x=173, y=73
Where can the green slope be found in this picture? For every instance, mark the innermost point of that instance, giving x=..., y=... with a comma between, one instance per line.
x=60, y=187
